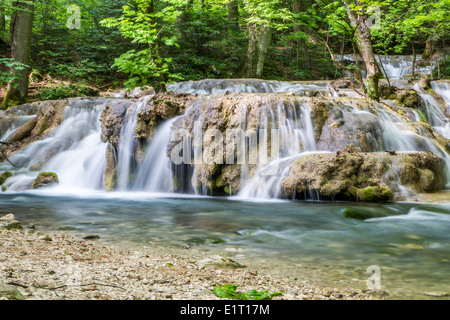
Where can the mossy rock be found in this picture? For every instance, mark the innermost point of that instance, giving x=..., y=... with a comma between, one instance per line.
x=45, y=179
x=4, y=176
x=363, y=213
x=375, y=194
x=11, y=225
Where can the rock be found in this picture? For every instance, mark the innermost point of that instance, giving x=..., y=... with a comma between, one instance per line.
x=22, y=132
x=45, y=238
x=4, y=176
x=110, y=172
x=112, y=119
x=91, y=237
x=363, y=176
x=362, y=213
x=10, y=292
x=8, y=216
x=436, y=294
x=219, y=261
x=375, y=194
x=45, y=179
x=11, y=225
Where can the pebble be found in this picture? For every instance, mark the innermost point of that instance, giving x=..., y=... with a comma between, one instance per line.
x=127, y=276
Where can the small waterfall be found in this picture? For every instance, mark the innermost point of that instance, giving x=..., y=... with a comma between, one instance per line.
x=127, y=147
x=296, y=136
x=155, y=173
x=73, y=151
x=434, y=111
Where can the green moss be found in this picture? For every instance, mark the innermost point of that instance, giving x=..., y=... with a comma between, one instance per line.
x=44, y=126
x=4, y=176
x=375, y=194
x=4, y=188
x=44, y=179
x=110, y=181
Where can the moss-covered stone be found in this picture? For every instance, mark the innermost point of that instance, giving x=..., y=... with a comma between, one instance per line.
x=45, y=179
x=375, y=194
x=363, y=176
x=4, y=176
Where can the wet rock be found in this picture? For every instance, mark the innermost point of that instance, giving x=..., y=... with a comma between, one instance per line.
x=110, y=172
x=4, y=176
x=8, y=216
x=161, y=107
x=11, y=225
x=22, y=132
x=375, y=194
x=45, y=179
x=112, y=119
x=91, y=237
x=365, y=177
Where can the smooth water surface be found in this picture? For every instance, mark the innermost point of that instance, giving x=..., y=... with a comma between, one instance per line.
x=410, y=242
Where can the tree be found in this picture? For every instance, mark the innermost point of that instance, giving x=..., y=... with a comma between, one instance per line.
x=139, y=22
x=262, y=18
x=21, y=29
x=357, y=13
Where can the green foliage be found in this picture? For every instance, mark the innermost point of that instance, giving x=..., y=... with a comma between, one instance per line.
x=10, y=65
x=229, y=292
x=63, y=91
x=444, y=69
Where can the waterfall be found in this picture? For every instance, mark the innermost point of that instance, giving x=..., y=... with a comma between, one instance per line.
x=127, y=145
x=73, y=151
x=155, y=173
x=76, y=154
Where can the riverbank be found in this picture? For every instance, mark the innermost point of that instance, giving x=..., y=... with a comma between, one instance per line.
x=57, y=266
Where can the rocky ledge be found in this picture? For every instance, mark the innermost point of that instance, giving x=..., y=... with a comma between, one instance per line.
x=371, y=177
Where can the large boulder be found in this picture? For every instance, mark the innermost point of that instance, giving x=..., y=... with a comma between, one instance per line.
x=372, y=177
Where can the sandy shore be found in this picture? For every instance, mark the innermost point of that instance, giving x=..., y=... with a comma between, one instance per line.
x=58, y=266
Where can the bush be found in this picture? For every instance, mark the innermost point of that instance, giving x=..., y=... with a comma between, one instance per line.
x=62, y=91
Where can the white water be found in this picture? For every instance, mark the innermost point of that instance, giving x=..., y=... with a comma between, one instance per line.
x=127, y=145
x=73, y=151
x=155, y=173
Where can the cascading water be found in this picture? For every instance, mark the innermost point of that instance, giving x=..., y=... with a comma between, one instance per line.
x=74, y=151
x=155, y=173
x=127, y=146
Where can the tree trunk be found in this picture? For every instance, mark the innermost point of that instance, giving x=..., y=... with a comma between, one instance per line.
x=233, y=14
x=251, y=50
x=413, y=71
x=263, y=44
x=359, y=20
x=297, y=9
x=428, y=50
x=2, y=22
x=21, y=33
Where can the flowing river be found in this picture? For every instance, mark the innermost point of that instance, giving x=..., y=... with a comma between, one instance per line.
x=313, y=240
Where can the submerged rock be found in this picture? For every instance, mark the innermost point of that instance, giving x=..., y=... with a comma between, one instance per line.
x=372, y=177
x=45, y=179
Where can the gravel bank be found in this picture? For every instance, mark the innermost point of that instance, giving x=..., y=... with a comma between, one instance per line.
x=57, y=266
